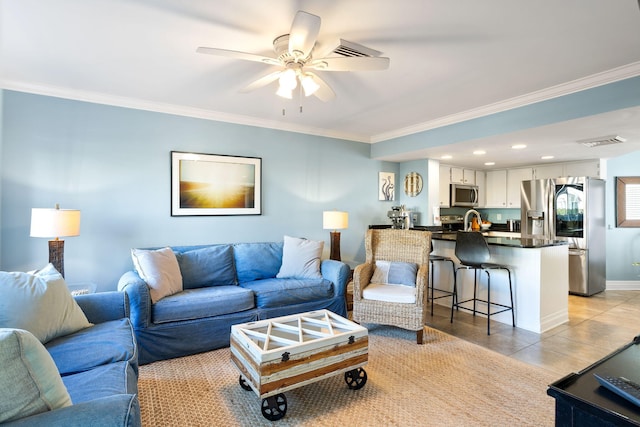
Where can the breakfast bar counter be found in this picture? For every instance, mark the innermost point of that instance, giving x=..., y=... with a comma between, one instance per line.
x=540, y=270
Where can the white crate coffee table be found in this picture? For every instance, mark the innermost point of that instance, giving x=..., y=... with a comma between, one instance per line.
x=283, y=353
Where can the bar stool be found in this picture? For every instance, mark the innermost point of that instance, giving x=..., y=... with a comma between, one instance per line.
x=473, y=253
x=442, y=292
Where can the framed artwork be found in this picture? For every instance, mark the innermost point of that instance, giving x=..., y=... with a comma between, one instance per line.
x=386, y=186
x=209, y=184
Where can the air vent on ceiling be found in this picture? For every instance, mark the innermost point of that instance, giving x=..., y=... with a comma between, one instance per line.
x=603, y=140
x=351, y=49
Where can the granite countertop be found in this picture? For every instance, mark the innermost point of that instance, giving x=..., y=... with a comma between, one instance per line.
x=515, y=242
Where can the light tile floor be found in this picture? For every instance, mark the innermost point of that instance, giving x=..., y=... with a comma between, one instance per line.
x=597, y=326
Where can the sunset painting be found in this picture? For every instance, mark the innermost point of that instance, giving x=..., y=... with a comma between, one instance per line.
x=215, y=185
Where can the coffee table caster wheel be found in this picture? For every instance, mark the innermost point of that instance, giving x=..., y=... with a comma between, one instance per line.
x=356, y=378
x=244, y=384
x=274, y=407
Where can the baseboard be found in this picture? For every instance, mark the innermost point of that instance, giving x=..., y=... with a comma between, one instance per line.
x=623, y=285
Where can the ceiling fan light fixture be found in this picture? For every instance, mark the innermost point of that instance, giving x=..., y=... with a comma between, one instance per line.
x=288, y=79
x=284, y=92
x=309, y=85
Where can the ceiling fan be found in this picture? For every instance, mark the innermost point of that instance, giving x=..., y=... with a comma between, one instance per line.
x=295, y=57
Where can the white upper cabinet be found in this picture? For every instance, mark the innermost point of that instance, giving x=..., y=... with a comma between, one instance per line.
x=482, y=188
x=548, y=171
x=496, y=189
x=589, y=168
x=445, y=178
x=514, y=180
x=463, y=176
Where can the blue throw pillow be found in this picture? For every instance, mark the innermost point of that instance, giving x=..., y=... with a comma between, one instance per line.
x=208, y=266
x=395, y=273
x=257, y=261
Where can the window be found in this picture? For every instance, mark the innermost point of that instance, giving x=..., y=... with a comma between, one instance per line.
x=628, y=201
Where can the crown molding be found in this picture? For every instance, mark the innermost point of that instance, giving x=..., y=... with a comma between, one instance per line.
x=178, y=110
x=594, y=80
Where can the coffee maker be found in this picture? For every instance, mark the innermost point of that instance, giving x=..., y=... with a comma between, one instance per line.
x=401, y=218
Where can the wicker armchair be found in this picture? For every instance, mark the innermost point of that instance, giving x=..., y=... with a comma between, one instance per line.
x=401, y=246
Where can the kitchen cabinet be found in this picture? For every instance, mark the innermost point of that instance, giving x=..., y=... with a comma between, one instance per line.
x=555, y=170
x=588, y=168
x=443, y=186
x=514, y=179
x=463, y=176
x=482, y=188
x=496, y=189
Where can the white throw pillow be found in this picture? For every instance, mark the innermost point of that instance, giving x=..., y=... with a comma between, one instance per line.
x=29, y=380
x=39, y=303
x=160, y=269
x=300, y=259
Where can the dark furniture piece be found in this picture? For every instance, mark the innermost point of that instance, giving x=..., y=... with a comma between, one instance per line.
x=581, y=401
x=473, y=252
x=442, y=293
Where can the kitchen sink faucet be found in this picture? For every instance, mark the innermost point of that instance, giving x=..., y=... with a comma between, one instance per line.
x=467, y=224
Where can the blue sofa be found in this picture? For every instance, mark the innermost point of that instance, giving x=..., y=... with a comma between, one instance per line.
x=98, y=366
x=225, y=284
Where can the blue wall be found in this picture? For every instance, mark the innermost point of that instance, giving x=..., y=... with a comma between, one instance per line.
x=623, y=244
x=114, y=165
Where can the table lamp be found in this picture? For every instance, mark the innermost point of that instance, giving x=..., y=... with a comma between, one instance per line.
x=335, y=220
x=55, y=223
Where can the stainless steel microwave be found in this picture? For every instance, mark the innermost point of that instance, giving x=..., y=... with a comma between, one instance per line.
x=463, y=195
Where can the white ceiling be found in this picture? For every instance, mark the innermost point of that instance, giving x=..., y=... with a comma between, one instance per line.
x=448, y=59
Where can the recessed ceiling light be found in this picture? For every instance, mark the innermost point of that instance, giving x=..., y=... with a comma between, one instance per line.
x=546, y=157
x=519, y=146
x=479, y=152
x=490, y=163
x=446, y=156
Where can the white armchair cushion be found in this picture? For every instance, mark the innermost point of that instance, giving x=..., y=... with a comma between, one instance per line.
x=390, y=293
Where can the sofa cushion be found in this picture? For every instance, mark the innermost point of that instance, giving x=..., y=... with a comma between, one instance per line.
x=202, y=302
x=255, y=261
x=102, y=381
x=159, y=269
x=395, y=273
x=300, y=259
x=29, y=381
x=39, y=303
x=102, y=344
x=278, y=292
x=208, y=266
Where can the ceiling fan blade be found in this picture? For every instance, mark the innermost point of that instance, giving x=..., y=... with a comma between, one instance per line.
x=238, y=55
x=303, y=34
x=359, y=63
x=324, y=92
x=261, y=82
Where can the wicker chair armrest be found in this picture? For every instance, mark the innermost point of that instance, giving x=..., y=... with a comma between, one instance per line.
x=361, y=278
x=422, y=283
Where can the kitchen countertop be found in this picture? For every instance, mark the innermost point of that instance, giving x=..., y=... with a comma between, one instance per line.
x=515, y=242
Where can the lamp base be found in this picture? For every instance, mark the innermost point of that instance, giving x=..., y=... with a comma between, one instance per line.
x=335, y=246
x=56, y=255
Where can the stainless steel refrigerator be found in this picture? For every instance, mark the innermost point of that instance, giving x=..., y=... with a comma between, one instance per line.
x=571, y=209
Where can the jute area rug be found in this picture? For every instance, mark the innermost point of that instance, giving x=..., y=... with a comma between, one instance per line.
x=444, y=382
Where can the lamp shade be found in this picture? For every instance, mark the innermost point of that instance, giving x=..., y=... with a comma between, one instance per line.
x=55, y=222
x=335, y=220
